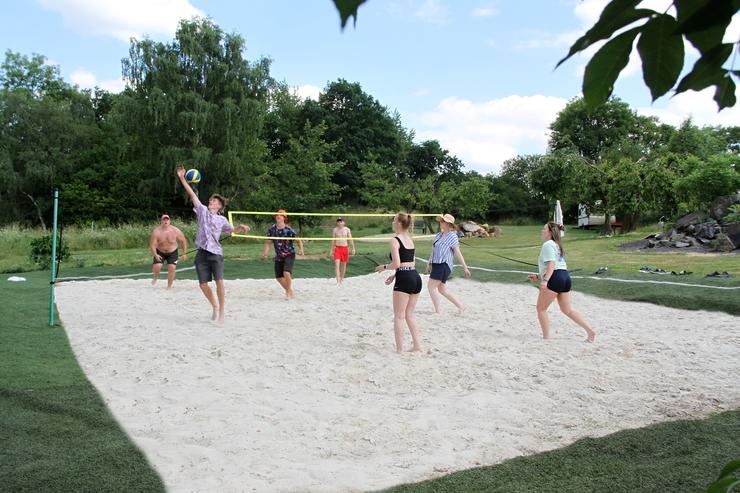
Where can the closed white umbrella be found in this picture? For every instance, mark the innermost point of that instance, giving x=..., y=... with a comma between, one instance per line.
x=558, y=216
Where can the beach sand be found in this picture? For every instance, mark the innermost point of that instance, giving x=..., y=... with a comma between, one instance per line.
x=309, y=395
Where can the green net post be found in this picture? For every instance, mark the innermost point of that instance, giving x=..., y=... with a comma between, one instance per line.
x=53, y=260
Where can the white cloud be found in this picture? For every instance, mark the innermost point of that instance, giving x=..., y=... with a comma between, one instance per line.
x=485, y=134
x=432, y=11
x=87, y=80
x=123, y=20
x=698, y=105
x=484, y=11
x=307, y=91
x=83, y=78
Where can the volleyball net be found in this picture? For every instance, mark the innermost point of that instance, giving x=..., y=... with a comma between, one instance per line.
x=313, y=220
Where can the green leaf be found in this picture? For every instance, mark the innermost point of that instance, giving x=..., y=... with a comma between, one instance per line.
x=712, y=14
x=732, y=467
x=347, y=9
x=707, y=70
x=604, y=68
x=662, y=54
x=724, y=485
x=616, y=15
x=724, y=95
x=702, y=40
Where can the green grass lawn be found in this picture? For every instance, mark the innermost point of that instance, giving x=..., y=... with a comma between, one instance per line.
x=679, y=456
x=57, y=434
x=55, y=431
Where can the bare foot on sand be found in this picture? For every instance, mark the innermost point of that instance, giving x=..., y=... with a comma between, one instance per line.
x=461, y=310
x=591, y=336
x=289, y=294
x=221, y=316
x=154, y=281
x=214, y=315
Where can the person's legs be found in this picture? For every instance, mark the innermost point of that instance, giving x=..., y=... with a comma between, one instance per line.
x=568, y=311
x=156, y=269
x=343, y=273
x=280, y=274
x=410, y=317
x=544, y=300
x=337, y=272
x=221, y=292
x=288, y=280
x=433, y=287
x=443, y=291
x=400, y=302
x=209, y=296
x=204, y=269
x=170, y=274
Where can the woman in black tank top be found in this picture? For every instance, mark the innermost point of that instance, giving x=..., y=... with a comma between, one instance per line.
x=407, y=281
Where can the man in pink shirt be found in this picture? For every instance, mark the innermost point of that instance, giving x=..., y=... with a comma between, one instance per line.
x=209, y=259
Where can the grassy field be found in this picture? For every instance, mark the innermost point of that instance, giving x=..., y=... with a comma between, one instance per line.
x=680, y=456
x=125, y=248
x=55, y=430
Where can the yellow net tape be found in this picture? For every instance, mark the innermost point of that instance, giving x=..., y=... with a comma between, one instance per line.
x=335, y=214
x=331, y=214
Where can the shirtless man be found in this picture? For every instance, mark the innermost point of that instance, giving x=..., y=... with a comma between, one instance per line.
x=163, y=245
x=339, y=249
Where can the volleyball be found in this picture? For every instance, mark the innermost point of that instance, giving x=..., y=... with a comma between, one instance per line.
x=192, y=176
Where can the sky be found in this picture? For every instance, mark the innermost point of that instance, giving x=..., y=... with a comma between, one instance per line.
x=477, y=75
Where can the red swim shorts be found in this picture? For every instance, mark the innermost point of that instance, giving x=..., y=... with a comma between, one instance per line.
x=341, y=253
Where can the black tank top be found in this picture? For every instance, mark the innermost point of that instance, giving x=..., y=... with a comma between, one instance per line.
x=404, y=254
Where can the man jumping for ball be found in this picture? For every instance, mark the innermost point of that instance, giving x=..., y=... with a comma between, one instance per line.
x=209, y=260
x=284, y=252
x=340, y=250
x=163, y=245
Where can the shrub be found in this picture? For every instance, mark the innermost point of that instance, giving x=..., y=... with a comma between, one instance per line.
x=734, y=214
x=40, y=252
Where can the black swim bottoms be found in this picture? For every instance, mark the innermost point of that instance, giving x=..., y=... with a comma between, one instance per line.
x=170, y=257
x=559, y=281
x=407, y=281
x=283, y=265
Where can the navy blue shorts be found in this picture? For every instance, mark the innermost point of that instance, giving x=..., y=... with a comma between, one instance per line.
x=559, y=281
x=440, y=272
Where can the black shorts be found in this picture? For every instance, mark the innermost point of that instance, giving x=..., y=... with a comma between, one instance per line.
x=440, y=272
x=559, y=281
x=407, y=281
x=170, y=258
x=209, y=266
x=283, y=265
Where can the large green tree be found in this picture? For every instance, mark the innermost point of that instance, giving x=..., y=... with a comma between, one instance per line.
x=588, y=150
x=197, y=102
x=47, y=130
x=300, y=179
x=362, y=129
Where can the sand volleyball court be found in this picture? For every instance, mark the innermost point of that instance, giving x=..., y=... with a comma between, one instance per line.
x=309, y=395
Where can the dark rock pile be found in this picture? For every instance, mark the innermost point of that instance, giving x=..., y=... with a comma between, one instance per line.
x=699, y=229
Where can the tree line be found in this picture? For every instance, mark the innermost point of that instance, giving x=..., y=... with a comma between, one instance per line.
x=196, y=101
